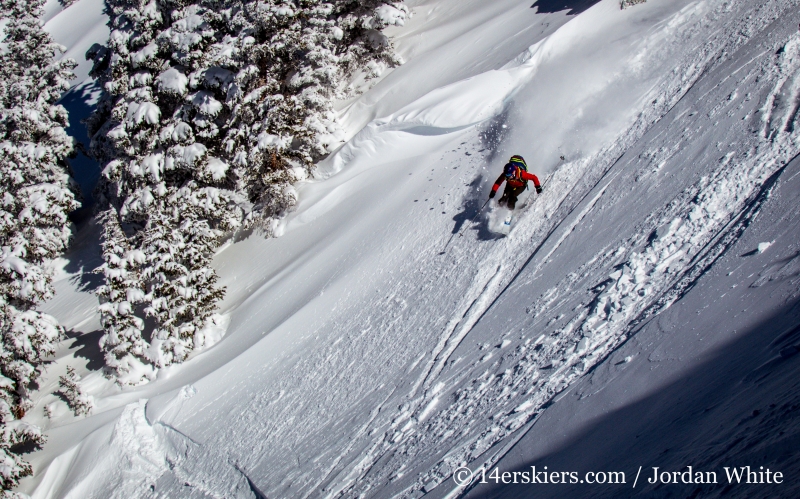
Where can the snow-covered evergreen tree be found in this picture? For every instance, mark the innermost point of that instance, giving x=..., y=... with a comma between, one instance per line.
x=168, y=200
x=14, y=432
x=121, y=292
x=69, y=387
x=295, y=60
x=211, y=112
x=623, y=4
x=35, y=198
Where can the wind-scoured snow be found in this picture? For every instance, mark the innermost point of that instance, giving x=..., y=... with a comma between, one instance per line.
x=363, y=358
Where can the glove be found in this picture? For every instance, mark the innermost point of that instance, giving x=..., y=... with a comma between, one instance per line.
x=538, y=189
x=491, y=194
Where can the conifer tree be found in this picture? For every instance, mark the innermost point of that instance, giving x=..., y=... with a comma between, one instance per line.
x=121, y=291
x=35, y=198
x=624, y=4
x=211, y=112
x=69, y=387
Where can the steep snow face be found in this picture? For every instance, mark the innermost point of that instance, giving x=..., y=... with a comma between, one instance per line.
x=364, y=359
x=448, y=41
x=708, y=375
x=77, y=27
x=709, y=383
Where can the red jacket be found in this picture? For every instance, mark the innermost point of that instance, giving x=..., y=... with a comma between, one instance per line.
x=512, y=182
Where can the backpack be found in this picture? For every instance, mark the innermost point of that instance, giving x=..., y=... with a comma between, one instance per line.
x=514, y=169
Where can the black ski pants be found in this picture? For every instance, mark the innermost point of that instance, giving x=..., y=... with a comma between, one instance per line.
x=510, y=195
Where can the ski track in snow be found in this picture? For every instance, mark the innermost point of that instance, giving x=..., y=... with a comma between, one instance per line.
x=399, y=390
x=683, y=231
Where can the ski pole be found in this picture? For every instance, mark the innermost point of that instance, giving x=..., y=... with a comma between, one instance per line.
x=547, y=180
x=465, y=226
x=549, y=177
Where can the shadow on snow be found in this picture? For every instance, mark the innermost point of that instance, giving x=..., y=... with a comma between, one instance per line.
x=739, y=408
x=575, y=7
x=79, y=101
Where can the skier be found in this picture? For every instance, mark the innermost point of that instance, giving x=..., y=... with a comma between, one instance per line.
x=516, y=176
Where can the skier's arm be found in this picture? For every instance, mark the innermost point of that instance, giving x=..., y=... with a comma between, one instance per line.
x=496, y=185
x=535, y=179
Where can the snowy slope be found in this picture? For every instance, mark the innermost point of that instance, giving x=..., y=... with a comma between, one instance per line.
x=692, y=387
x=77, y=27
x=361, y=359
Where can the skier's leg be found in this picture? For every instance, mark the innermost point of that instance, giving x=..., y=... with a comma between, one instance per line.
x=513, y=194
x=506, y=195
